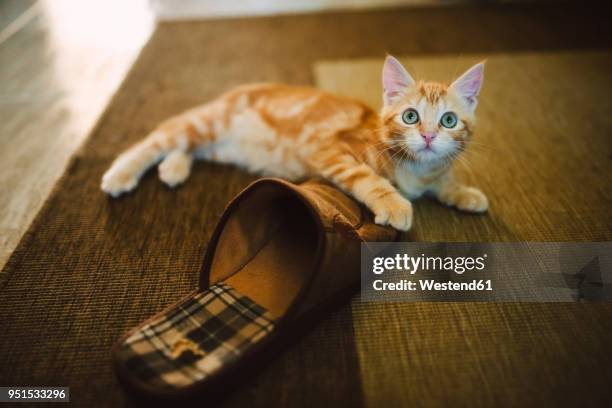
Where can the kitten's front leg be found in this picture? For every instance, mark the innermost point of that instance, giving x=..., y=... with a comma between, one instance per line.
x=464, y=198
x=376, y=192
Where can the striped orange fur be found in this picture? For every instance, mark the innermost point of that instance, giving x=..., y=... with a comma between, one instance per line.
x=382, y=159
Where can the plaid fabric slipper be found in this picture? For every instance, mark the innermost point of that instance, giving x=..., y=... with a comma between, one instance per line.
x=279, y=252
x=195, y=338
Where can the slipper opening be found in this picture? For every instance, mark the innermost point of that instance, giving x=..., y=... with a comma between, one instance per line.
x=268, y=247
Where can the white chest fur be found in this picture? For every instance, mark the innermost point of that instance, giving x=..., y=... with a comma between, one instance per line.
x=414, y=179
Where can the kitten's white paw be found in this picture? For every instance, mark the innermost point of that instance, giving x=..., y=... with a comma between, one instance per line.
x=394, y=210
x=175, y=168
x=117, y=181
x=472, y=200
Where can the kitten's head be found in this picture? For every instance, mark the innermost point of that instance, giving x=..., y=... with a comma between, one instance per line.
x=428, y=121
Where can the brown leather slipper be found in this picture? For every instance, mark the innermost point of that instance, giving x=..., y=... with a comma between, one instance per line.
x=279, y=252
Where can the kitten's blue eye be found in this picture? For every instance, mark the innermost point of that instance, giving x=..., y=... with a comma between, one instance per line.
x=410, y=116
x=449, y=120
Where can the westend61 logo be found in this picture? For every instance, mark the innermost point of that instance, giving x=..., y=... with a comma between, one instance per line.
x=413, y=264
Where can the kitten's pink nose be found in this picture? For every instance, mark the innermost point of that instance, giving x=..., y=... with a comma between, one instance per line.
x=428, y=137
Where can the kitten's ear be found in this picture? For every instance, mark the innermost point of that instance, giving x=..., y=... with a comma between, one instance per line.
x=468, y=85
x=395, y=80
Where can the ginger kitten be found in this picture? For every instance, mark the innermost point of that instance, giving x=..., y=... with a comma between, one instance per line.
x=297, y=132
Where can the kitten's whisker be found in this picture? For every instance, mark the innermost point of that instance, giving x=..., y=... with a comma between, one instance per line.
x=402, y=151
x=479, y=145
x=477, y=154
x=383, y=151
x=466, y=165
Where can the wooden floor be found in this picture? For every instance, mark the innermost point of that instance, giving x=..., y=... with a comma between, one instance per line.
x=54, y=84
